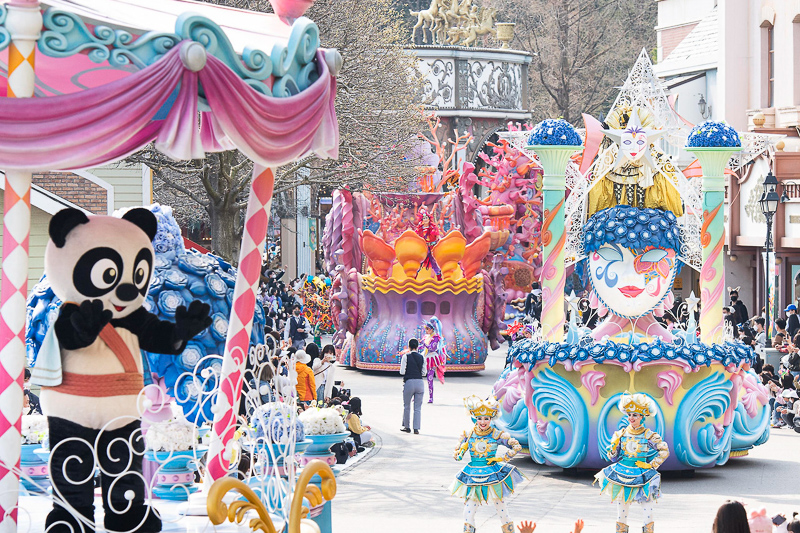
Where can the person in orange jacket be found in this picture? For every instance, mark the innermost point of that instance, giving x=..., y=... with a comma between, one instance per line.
x=306, y=385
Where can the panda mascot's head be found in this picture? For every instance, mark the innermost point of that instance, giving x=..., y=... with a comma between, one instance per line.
x=101, y=258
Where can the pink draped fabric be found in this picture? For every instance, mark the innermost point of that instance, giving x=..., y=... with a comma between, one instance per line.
x=107, y=123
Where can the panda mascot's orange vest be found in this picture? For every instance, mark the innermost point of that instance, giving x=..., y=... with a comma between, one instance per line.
x=100, y=267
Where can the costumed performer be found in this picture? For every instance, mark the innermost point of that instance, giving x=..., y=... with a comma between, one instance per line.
x=487, y=478
x=434, y=349
x=638, y=452
x=427, y=229
x=632, y=171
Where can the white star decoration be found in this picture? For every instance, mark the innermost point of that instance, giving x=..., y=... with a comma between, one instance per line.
x=573, y=302
x=691, y=302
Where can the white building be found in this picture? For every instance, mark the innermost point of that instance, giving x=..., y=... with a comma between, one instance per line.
x=739, y=61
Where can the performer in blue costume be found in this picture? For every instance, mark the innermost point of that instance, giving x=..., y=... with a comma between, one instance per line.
x=638, y=452
x=487, y=478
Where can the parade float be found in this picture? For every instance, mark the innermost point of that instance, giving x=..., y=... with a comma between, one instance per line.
x=635, y=221
x=108, y=81
x=398, y=259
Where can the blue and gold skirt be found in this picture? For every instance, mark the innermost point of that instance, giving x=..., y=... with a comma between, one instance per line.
x=627, y=483
x=486, y=483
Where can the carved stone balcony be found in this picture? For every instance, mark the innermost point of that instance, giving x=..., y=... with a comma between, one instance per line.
x=475, y=82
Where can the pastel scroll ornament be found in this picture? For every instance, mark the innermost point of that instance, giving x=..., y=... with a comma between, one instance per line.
x=704, y=404
x=556, y=399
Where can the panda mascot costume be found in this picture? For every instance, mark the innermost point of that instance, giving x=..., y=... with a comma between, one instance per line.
x=100, y=267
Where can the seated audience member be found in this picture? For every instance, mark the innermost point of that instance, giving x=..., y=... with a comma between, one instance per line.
x=31, y=405
x=361, y=434
x=790, y=411
x=306, y=388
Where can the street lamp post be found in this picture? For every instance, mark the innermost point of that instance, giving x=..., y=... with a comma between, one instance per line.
x=769, y=206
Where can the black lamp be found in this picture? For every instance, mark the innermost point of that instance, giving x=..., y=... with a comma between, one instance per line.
x=769, y=205
x=770, y=199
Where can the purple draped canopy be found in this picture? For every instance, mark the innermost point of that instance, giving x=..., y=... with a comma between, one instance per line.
x=107, y=123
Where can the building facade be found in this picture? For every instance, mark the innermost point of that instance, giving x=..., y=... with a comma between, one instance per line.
x=739, y=61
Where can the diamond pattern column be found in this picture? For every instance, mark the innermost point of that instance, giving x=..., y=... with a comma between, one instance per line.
x=24, y=23
x=226, y=403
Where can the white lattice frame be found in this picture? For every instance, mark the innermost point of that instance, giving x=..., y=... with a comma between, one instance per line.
x=579, y=186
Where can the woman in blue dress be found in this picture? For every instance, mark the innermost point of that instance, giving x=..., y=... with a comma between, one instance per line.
x=487, y=478
x=637, y=452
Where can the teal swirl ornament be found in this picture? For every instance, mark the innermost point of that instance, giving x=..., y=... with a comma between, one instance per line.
x=748, y=430
x=515, y=423
x=66, y=35
x=707, y=400
x=554, y=395
x=142, y=51
x=5, y=37
x=604, y=435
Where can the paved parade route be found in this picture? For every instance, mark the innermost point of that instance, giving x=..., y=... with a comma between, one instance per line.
x=402, y=486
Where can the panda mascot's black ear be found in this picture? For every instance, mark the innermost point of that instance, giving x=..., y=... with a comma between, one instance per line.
x=63, y=222
x=145, y=219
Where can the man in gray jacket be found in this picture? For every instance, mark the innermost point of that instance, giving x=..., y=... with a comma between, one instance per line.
x=412, y=368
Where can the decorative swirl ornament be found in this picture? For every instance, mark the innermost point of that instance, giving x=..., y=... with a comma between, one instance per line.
x=291, y=67
x=704, y=405
x=748, y=430
x=557, y=401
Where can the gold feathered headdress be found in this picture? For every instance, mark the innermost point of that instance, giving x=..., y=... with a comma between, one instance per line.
x=636, y=403
x=478, y=407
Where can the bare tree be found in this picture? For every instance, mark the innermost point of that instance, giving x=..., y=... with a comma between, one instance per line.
x=582, y=49
x=378, y=123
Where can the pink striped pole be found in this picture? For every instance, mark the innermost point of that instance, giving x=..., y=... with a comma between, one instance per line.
x=226, y=403
x=24, y=24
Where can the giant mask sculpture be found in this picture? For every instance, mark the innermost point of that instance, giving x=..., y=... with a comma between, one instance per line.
x=633, y=260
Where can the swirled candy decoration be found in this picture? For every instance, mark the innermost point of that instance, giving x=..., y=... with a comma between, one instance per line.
x=633, y=228
x=694, y=422
x=747, y=430
x=554, y=396
x=554, y=132
x=175, y=279
x=169, y=301
x=713, y=134
x=610, y=414
x=219, y=326
x=529, y=352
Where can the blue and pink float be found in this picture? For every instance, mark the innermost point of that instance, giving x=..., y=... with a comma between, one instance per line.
x=560, y=392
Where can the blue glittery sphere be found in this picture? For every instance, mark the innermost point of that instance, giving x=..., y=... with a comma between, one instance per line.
x=713, y=134
x=554, y=132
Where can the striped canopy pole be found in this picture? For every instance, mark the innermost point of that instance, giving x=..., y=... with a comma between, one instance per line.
x=24, y=24
x=226, y=403
x=713, y=160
